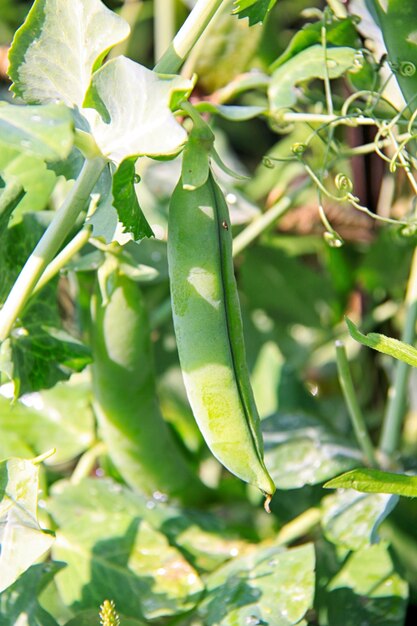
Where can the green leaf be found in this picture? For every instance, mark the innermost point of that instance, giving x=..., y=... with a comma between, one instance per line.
x=122, y=557
x=268, y=586
x=306, y=65
x=59, y=418
x=126, y=201
x=202, y=537
x=128, y=109
x=255, y=10
x=368, y=590
x=351, y=520
x=374, y=481
x=338, y=33
x=10, y=196
x=393, y=347
x=19, y=604
x=42, y=131
x=59, y=46
x=32, y=174
x=299, y=450
x=22, y=540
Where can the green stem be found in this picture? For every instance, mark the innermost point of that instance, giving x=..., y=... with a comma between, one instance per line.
x=61, y=225
x=261, y=223
x=66, y=254
x=87, y=462
x=393, y=420
x=355, y=413
x=298, y=527
x=187, y=36
x=164, y=26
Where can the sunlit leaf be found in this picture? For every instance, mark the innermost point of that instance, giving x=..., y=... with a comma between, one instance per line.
x=308, y=64
x=374, y=481
x=56, y=50
x=352, y=520
x=387, y=345
x=268, y=586
x=131, y=113
x=22, y=540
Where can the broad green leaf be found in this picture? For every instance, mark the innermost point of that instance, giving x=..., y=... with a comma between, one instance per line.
x=32, y=174
x=19, y=604
x=374, y=481
x=59, y=418
x=306, y=65
x=387, y=345
x=10, y=196
x=255, y=10
x=42, y=131
x=368, y=590
x=338, y=33
x=125, y=201
x=202, y=537
x=351, y=520
x=299, y=450
x=59, y=46
x=123, y=557
x=267, y=586
x=130, y=111
x=22, y=540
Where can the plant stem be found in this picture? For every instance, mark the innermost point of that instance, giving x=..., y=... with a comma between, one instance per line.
x=393, y=420
x=262, y=222
x=355, y=413
x=87, y=462
x=49, y=244
x=63, y=257
x=164, y=26
x=298, y=527
x=187, y=36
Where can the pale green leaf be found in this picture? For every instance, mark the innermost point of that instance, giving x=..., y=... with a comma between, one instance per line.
x=130, y=114
x=299, y=450
x=22, y=540
x=59, y=46
x=387, y=345
x=351, y=520
x=374, y=481
x=43, y=131
x=309, y=64
x=120, y=556
x=268, y=586
x=368, y=590
x=255, y=10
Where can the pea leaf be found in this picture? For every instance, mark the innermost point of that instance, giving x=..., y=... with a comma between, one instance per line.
x=351, y=520
x=59, y=46
x=368, y=590
x=126, y=201
x=59, y=418
x=22, y=540
x=255, y=10
x=120, y=556
x=130, y=114
x=387, y=345
x=299, y=450
x=19, y=604
x=44, y=131
x=374, y=481
x=306, y=65
x=268, y=586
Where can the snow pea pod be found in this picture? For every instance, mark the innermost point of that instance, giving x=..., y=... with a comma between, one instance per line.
x=140, y=443
x=209, y=332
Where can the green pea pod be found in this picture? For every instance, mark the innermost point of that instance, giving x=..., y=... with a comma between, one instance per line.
x=140, y=443
x=208, y=328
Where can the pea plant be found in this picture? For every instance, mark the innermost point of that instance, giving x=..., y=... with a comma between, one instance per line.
x=208, y=308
